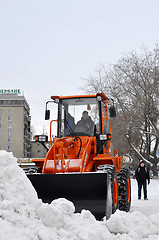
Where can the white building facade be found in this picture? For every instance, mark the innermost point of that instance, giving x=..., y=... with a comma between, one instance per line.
x=15, y=120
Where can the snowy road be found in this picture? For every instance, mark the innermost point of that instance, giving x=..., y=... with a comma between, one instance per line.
x=24, y=217
x=150, y=206
x=142, y=222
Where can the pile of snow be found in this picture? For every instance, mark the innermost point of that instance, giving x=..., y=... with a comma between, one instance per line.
x=24, y=216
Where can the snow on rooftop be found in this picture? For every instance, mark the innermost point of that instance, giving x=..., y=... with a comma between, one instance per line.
x=24, y=217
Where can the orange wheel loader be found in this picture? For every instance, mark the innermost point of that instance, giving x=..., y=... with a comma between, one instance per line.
x=80, y=165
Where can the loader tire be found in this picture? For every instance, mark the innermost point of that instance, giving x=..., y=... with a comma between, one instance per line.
x=32, y=170
x=110, y=169
x=124, y=190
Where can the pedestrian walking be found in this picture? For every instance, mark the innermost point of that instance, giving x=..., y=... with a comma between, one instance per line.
x=142, y=176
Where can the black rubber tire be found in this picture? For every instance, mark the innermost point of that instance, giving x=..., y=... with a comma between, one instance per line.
x=124, y=190
x=32, y=170
x=114, y=184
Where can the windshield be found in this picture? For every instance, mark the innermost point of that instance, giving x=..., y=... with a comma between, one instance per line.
x=78, y=117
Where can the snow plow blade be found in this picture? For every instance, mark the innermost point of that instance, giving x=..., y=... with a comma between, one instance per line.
x=90, y=191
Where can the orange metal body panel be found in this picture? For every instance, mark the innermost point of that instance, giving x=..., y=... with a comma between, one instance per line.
x=75, y=96
x=39, y=162
x=68, y=155
x=63, y=155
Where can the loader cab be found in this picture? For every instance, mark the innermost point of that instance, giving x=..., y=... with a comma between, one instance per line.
x=83, y=116
x=78, y=117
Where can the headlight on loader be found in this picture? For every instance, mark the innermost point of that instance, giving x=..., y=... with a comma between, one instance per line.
x=41, y=138
x=105, y=137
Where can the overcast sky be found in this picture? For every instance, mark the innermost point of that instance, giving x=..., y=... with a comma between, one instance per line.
x=47, y=47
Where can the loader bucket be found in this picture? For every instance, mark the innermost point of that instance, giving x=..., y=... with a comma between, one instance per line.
x=90, y=191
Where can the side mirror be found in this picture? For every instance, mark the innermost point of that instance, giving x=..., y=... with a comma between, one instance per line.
x=47, y=114
x=112, y=111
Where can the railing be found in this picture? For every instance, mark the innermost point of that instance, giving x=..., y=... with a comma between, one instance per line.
x=51, y=141
x=86, y=154
x=108, y=124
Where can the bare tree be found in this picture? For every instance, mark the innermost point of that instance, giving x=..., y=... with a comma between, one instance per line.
x=134, y=83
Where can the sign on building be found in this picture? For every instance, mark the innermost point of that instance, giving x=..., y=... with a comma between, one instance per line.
x=10, y=91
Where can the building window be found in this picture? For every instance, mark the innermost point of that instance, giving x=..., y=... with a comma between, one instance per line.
x=0, y=126
x=9, y=129
x=9, y=116
x=9, y=147
x=9, y=136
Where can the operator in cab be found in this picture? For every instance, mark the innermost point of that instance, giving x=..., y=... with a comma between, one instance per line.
x=86, y=122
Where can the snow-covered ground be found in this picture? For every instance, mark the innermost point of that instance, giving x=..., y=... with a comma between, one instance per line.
x=24, y=217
